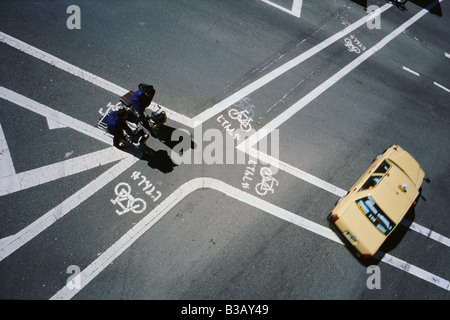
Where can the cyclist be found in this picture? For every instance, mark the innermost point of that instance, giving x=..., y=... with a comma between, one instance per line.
x=142, y=99
x=116, y=125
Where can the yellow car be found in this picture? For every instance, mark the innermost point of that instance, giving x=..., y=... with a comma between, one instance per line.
x=378, y=201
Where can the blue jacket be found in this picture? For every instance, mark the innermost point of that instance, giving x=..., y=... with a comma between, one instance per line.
x=116, y=125
x=140, y=101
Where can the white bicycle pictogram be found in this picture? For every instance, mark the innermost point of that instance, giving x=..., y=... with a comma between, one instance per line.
x=350, y=46
x=267, y=182
x=123, y=193
x=242, y=117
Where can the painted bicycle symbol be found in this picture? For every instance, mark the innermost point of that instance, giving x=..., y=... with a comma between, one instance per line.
x=242, y=117
x=267, y=182
x=350, y=46
x=123, y=195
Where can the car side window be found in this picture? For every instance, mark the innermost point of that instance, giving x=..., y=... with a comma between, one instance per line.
x=370, y=183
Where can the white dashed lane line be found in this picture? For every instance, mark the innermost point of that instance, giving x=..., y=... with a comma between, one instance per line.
x=418, y=75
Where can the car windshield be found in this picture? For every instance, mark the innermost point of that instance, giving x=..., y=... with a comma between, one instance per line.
x=371, y=210
x=376, y=177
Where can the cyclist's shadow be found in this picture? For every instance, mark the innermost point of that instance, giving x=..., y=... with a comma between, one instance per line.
x=159, y=160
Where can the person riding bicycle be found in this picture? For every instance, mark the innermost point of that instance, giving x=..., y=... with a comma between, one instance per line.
x=116, y=125
x=142, y=99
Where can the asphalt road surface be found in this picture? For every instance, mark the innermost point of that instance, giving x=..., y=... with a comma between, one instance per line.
x=275, y=108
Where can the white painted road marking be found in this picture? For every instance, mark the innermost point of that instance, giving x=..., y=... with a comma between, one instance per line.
x=335, y=190
x=15, y=182
x=434, y=82
x=296, y=9
x=441, y=86
x=292, y=110
x=252, y=87
x=247, y=145
x=212, y=111
x=315, y=181
x=6, y=163
x=415, y=271
x=25, y=48
x=411, y=71
x=76, y=71
x=10, y=244
x=114, y=251
x=54, y=115
x=11, y=182
x=24, y=180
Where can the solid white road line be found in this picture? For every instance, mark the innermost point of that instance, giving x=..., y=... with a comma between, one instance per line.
x=292, y=110
x=83, y=74
x=6, y=163
x=10, y=244
x=219, y=107
x=37, y=176
x=415, y=271
x=430, y=234
x=55, y=115
x=276, y=163
x=114, y=251
x=296, y=10
x=24, y=180
x=54, y=61
x=244, y=92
